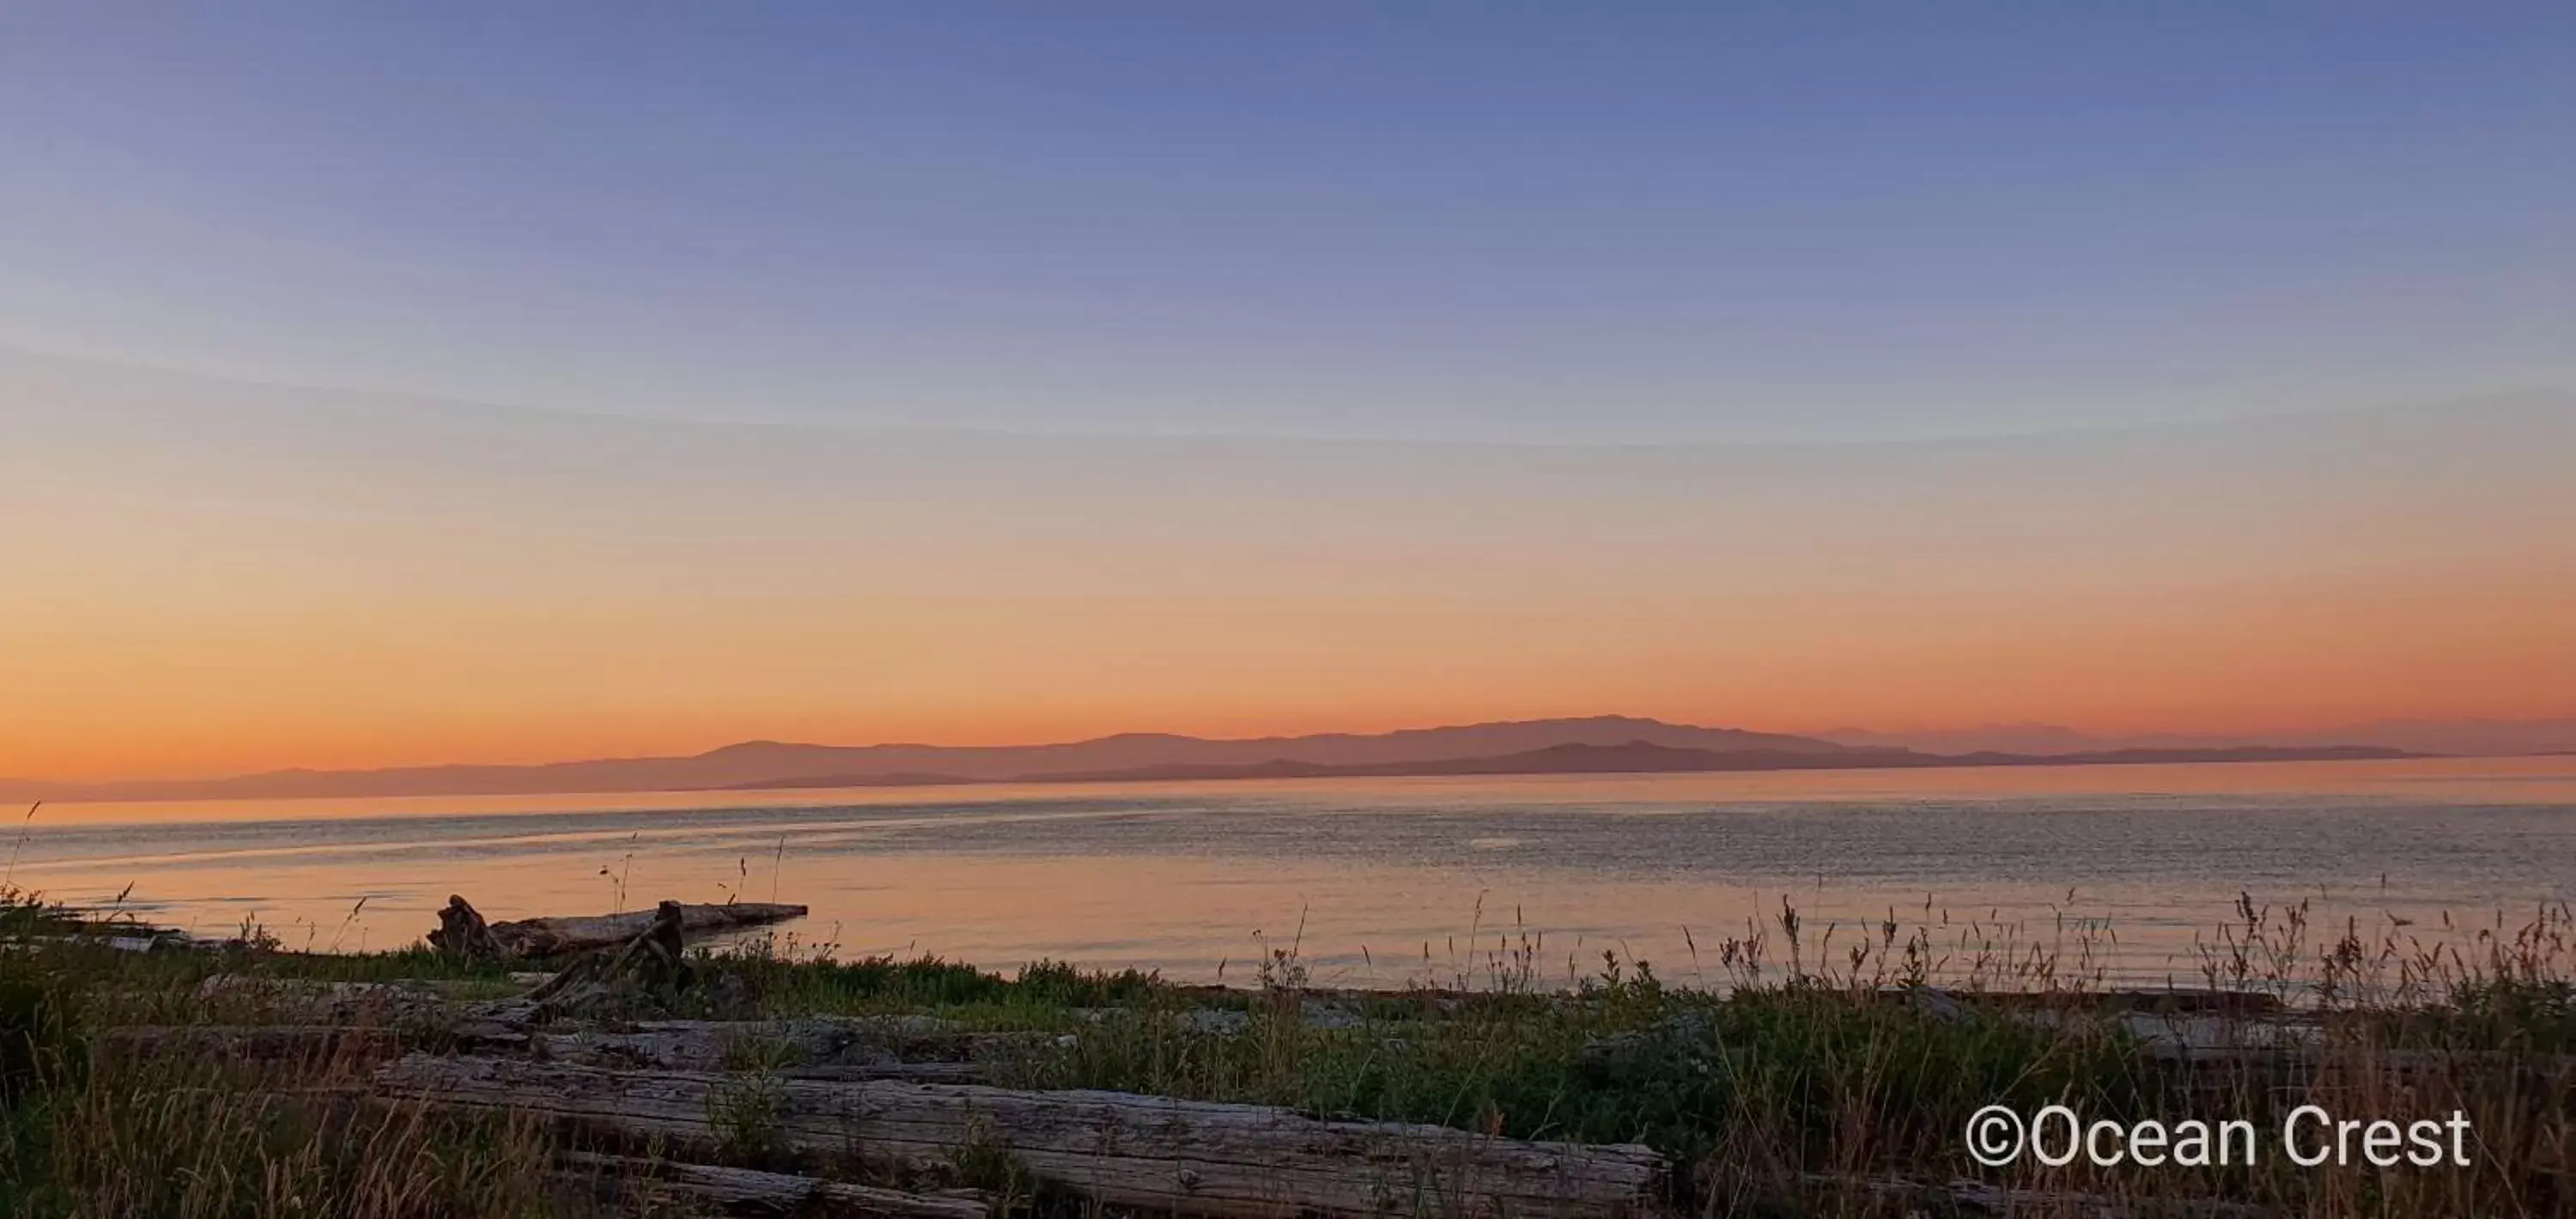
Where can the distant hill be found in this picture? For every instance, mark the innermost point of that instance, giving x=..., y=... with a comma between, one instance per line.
x=1630, y=757
x=2456, y=738
x=775, y=764
x=1640, y=757
x=1598, y=745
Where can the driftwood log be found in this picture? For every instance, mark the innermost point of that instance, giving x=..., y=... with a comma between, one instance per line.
x=790, y=1049
x=1979, y=1198
x=749, y=1191
x=653, y=966
x=252, y=998
x=800, y=1042
x=2240, y=1004
x=463, y=932
x=1198, y=1157
x=910, y=1072
x=248, y=1043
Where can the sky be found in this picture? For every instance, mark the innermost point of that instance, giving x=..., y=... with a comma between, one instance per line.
x=213, y=577
x=390, y=385
x=1630, y=222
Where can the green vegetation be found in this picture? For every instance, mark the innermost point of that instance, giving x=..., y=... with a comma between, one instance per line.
x=1824, y=1076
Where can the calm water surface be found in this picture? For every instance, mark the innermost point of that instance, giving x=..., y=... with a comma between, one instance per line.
x=1377, y=881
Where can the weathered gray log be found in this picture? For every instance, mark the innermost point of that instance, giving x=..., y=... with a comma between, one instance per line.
x=809, y=1041
x=693, y=1045
x=156, y=942
x=699, y=1052
x=913, y=1038
x=750, y=1191
x=249, y=1043
x=545, y=937
x=649, y=970
x=1200, y=1157
x=310, y=1001
x=463, y=933
x=1979, y=1198
x=910, y=1072
x=789, y=1049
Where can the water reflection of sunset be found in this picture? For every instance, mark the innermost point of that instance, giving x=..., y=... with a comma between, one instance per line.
x=1181, y=876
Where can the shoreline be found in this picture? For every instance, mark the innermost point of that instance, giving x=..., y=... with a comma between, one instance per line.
x=1824, y=1082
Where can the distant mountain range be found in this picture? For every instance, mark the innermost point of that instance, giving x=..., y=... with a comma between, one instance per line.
x=1639, y=757
x=2459, y=738
x=1597, y=745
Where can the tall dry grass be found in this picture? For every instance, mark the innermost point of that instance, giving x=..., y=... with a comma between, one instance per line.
x=1833, y=1070
x=1825, y=1071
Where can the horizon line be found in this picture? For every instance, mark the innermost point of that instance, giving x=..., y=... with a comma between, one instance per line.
x=1818, y=735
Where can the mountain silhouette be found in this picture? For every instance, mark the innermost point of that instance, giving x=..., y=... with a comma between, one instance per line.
x=773, y=763
x=2457, y=737
x=1641, y=757
x=1596, y=745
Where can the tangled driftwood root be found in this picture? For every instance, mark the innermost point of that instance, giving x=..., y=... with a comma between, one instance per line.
x=463, y=932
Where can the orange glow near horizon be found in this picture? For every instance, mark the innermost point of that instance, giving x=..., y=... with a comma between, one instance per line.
x=382, y=691
x=188, y=605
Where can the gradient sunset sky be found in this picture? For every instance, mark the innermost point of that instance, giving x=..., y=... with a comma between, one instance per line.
x=409, y=384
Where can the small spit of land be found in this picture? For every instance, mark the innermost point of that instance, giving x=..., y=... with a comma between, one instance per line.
x=615, y=1066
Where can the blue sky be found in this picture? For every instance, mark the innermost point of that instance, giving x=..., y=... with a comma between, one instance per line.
x=1600, y=223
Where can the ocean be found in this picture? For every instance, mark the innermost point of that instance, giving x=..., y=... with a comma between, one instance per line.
x=1389, y=882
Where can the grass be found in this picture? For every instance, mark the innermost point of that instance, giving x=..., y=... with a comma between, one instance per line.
x=1819, y=1072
